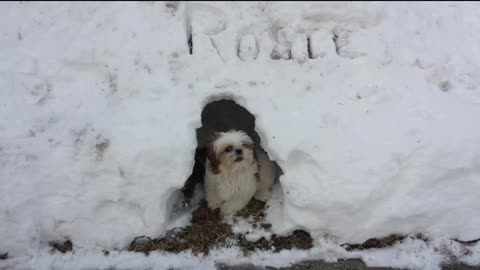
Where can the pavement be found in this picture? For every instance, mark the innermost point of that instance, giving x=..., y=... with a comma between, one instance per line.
x=350, y=264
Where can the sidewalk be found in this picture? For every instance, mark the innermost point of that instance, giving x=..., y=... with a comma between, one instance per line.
x=351, y=264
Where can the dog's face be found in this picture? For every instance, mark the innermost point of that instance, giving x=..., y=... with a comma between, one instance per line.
x=231, y=151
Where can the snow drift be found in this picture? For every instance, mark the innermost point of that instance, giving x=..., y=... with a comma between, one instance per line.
x=370, y=109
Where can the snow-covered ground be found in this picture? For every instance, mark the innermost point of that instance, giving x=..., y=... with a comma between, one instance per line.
x=371, y=109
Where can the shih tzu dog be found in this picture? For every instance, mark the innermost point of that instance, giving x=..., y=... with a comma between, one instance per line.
x=235, y=172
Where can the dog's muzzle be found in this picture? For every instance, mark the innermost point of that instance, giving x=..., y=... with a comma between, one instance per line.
x=239, y=155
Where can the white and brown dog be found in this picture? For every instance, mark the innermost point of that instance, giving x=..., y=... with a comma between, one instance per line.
x=235, y=172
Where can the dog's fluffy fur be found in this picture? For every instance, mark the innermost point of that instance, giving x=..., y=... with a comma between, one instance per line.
x=236, y=171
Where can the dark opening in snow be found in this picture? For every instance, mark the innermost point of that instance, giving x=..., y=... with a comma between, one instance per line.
x=219, y=116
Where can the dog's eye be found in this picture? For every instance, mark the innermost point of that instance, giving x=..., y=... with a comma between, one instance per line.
x=229, y=149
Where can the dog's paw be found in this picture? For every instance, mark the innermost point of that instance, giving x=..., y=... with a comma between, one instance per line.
x=228, y=210
x=231, y=207
x=262, y=196
x=214, y=204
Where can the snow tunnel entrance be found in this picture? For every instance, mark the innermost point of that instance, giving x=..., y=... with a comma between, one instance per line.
x=192, y=225
x=217, y=116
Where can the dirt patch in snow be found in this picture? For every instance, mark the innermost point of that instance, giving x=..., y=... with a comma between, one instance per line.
x=254, y=209
x=375, y=243
x=209, y=231
x=64, y=247
x=297, y=240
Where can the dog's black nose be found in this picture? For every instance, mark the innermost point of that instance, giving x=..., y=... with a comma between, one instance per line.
x=238, y=151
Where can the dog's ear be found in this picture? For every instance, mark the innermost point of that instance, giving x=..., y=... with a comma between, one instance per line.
x=251, y=146
x=212, y=157
x=213, y=136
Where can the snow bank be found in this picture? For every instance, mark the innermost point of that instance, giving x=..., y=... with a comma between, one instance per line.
x=371, y=110
x=90, y=147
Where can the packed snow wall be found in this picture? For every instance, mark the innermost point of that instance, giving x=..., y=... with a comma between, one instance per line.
x=370, y=109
